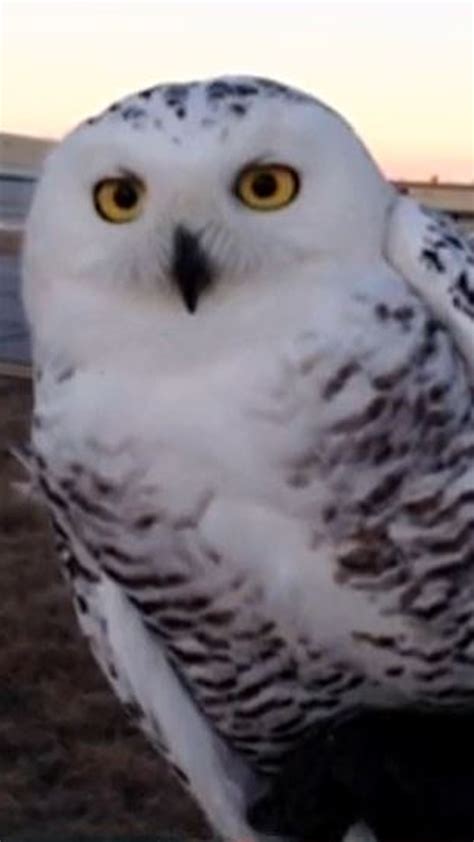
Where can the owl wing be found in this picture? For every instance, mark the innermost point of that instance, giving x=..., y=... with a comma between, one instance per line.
x=436, y=258
x=136, y=666
x=135, y=662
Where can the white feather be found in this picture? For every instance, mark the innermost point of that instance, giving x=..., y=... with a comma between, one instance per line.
x=408, y=233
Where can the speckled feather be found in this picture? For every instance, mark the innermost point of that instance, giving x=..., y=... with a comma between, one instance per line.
x=266, y=509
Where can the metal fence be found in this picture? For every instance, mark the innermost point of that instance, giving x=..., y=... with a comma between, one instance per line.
x=16, y=190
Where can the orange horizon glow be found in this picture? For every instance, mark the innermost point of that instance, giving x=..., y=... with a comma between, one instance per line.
x=401, y=72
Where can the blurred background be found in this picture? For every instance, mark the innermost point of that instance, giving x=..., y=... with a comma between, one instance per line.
x=400, y=72
x=403, y=74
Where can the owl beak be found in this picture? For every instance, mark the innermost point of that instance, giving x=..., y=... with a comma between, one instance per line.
x=191, y=268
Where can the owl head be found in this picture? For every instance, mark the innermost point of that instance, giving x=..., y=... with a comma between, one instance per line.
x=181, y=197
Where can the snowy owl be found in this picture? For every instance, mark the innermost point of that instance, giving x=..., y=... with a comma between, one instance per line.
x=253, y=425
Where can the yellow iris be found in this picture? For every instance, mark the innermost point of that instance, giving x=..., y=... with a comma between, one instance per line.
x=119, y=199
x=267, y=187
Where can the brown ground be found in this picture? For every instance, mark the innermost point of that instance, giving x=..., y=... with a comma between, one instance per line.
x=69, y=761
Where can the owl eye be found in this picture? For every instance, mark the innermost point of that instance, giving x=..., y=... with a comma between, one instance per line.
x=267, y=187
x=119, y=199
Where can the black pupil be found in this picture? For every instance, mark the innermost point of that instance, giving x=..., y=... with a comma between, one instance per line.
x=264, y=185
x=125, y=195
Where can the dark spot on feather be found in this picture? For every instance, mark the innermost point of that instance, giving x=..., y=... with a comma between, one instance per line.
x=382, y=312
x=354, y=422
x=432, y=259
x=219, y=89
x=81, y=604
x=242, y=89
x=339, y=380
x=329, y=513
x=395, y=671
x=65, y=374
x=382, y=493
x=132, y=112
x=147, y=93
x=145, y=521
x=381, y=641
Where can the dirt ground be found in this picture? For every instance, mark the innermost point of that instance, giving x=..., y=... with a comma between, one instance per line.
x=70, y=763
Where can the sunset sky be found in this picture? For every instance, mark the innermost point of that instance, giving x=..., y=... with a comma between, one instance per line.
x=401, y=72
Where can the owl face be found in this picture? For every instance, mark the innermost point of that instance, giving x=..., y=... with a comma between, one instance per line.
x=179, y=195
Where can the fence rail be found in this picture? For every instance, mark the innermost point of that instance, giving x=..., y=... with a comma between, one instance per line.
x=18, y=370
x=16, y=191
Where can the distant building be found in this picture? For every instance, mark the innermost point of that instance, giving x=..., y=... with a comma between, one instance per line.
x=22, y=154
x=21, y=158
x=455, y=199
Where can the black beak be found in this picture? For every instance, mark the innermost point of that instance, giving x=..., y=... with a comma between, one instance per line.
x=191, y=268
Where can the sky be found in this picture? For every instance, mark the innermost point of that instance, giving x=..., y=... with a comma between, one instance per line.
x=401, y=71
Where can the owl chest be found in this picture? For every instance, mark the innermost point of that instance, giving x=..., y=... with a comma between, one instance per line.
x=132, y=494
x=260, y=691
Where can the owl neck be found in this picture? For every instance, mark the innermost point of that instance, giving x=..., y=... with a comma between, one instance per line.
x=160, y=335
